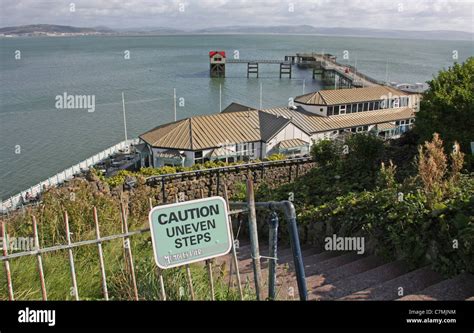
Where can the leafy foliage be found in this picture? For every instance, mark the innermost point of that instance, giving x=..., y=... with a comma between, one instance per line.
x=121, y=176
x=425, y=217
x=447, y=108
x=276, y=157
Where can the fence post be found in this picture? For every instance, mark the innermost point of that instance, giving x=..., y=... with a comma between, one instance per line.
x=209, y=266
x=128, y=250
x=160, y=274
x=101, y=256
x=272, y=254
x=190, y=281
x=254, y=237
x=211, y=279
x=235, y=260
x=188, y=270
x=6, y=263
x=163, y=189
x=40, y=260
x=296, y=249
x=71, y=257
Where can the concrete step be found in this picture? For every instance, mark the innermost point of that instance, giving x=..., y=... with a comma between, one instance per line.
x=285, y=257
x=330, y=260
x=352, y=268
x=411, y=282
x=458, y=288
x=351, y=284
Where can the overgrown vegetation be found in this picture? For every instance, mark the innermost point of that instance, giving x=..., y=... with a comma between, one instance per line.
x=447, y=108
x=424, y=217
x=78, y=199
x=122, y=175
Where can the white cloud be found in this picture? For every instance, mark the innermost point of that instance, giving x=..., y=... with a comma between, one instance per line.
x=394, y=14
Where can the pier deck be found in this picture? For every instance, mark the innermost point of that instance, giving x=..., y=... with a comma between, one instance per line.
x=327, y=63
x=342, y=75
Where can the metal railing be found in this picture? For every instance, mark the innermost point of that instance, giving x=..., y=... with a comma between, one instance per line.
x=16, y=200
x=254, y=166
x=237, y=208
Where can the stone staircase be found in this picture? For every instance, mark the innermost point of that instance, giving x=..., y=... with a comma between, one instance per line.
x=349, y=276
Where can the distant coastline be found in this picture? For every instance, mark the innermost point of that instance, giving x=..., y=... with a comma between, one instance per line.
x=48, y=30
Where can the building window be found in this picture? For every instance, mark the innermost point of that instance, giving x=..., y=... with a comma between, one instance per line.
x=396, y=102
x=377, y=105
x=359, y=107
x=371, y=106
x=244, y=150
x=366, y=106
x=330, y=108
x=198, y=157
x=342, y=109
x=336, y=110
x=349, y=108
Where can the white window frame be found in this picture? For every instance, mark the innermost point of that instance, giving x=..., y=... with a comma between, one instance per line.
x=396, y=103
x=342, y=109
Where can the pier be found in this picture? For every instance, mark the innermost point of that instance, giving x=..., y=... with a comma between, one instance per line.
x=330, y=70
x=218, y=62
x=322, y=64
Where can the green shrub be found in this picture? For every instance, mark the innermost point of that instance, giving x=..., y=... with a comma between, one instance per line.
x=276, y=157
x=401, y=219
x=447, y=108
x=121, y=176
x=325, y=152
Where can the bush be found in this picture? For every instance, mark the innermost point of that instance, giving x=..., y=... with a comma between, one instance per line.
x=430, y=222
x=276, y=157
x=442, y=236
x=325, y=152
x=121, y=176
x=447, y=108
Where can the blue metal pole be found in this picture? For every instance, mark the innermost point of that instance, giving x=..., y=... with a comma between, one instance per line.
x=290, y=213
x=272, y=253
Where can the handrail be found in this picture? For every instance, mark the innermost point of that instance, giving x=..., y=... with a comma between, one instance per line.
x=290, y=214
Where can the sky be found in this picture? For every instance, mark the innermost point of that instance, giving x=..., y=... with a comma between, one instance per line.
x=196, y=14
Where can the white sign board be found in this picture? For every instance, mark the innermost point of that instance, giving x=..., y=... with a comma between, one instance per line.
x=190, y=231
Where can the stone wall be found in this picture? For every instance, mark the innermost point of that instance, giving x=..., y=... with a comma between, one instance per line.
x=195, y=185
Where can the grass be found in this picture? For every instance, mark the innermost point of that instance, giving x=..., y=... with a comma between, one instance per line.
x=86, y=195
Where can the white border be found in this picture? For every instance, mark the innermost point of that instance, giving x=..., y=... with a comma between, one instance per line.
x=186, y=203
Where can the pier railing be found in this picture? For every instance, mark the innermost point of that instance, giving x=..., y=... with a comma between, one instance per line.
x=14, y=201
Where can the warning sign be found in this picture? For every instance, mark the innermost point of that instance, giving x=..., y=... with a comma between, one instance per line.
x=190, y=231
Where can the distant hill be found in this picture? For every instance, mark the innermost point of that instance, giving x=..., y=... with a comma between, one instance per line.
x=50, y=28
x=358, y=32
x=40, y=29
x=151, y=30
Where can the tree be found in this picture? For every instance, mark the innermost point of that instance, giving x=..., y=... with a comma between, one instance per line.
x=447, y=108
x=325, y=152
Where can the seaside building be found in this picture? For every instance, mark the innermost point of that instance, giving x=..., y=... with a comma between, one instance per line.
x=243, y=133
